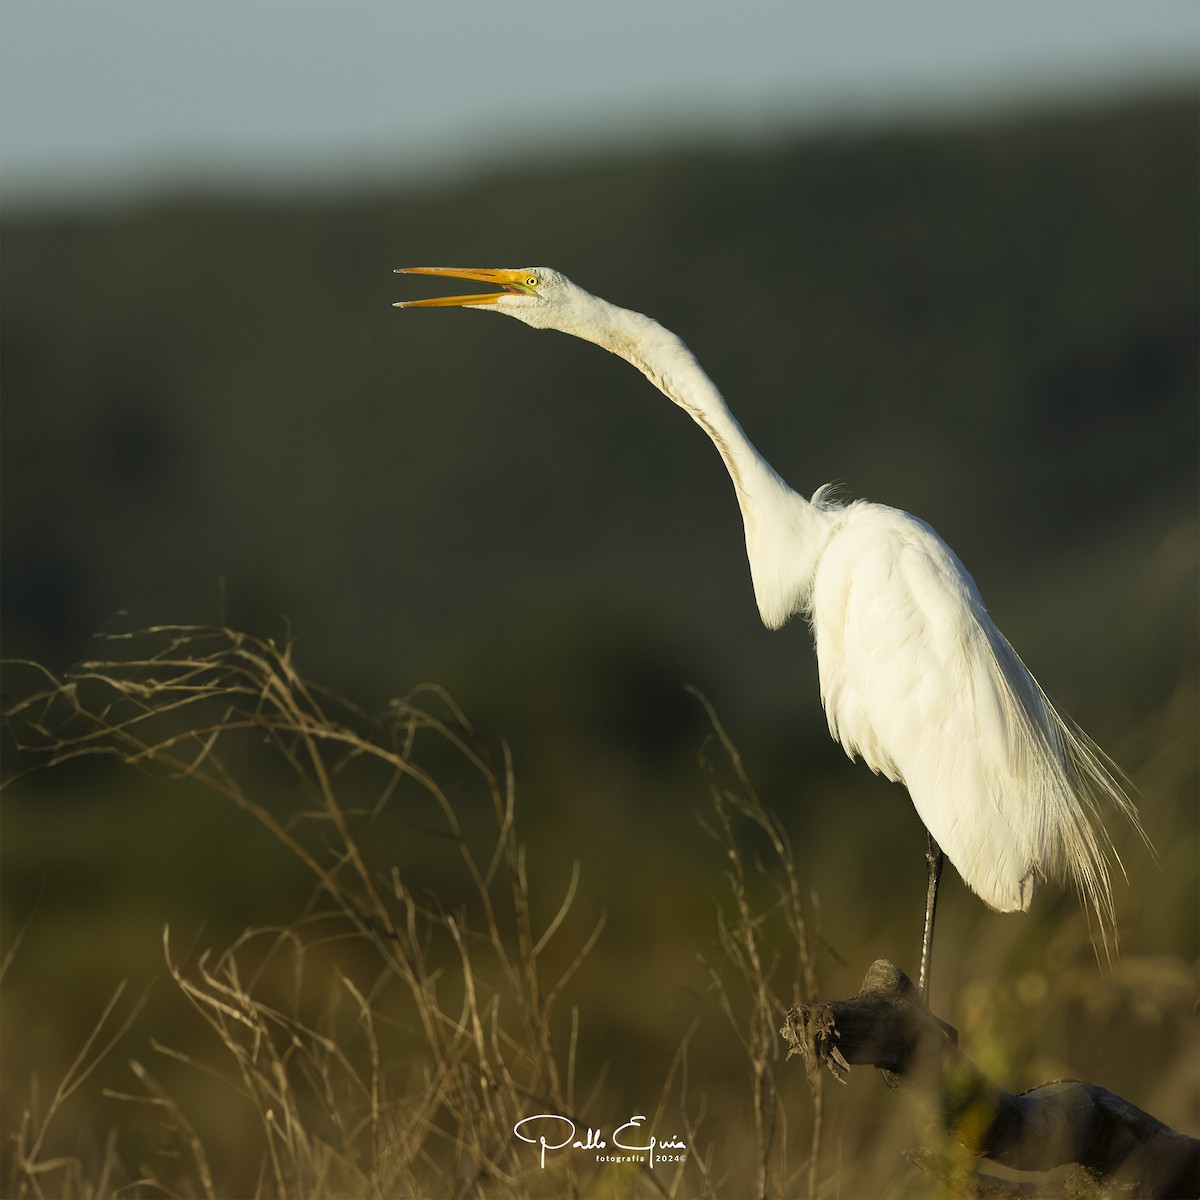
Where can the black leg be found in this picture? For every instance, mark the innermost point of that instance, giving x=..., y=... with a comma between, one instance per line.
x=934, y=858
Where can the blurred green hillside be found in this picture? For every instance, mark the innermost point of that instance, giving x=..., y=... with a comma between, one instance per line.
x=210, y=406
x=211, y=413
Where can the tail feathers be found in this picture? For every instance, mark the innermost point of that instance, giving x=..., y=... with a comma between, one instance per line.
x=1084, y=850
x=1072, y=785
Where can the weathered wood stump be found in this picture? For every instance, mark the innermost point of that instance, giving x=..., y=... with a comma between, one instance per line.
x=888, y=1026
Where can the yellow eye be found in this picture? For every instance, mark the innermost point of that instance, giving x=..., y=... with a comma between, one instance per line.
x=532, y=281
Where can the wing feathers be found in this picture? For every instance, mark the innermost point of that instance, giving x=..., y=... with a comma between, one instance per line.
x=918, y=682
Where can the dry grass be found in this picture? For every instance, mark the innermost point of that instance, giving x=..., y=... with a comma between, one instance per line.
x=753, y=983
x=390, y=1039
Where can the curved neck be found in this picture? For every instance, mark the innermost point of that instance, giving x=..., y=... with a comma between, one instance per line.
x=665, y=360
x=785, y=533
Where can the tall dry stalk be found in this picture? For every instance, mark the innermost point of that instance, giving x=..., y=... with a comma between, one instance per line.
x=772, y=952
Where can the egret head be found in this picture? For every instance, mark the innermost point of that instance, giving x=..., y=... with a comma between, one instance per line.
x=539, y=296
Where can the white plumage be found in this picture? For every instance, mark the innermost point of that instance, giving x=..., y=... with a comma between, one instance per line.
x=918, y=682
x=916, y=679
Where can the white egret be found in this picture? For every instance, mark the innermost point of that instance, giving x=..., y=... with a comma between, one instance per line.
x=915, y=678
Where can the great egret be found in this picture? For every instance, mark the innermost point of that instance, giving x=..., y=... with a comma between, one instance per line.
x=915, y=678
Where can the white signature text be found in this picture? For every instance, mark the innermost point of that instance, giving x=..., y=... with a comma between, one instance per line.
x=548, y=1131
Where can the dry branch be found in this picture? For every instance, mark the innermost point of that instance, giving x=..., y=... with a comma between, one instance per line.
x=886, y=1025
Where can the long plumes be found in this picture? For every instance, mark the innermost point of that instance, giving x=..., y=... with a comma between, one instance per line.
x=1070, y=784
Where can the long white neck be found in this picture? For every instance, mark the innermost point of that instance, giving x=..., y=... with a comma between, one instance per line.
x=784, y=532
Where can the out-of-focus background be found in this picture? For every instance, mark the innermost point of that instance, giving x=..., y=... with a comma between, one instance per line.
x=944, y=256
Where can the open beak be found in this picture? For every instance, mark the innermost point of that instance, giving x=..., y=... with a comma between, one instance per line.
x=510, y=283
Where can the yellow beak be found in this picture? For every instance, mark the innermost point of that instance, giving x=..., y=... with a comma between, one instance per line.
x=519, y=283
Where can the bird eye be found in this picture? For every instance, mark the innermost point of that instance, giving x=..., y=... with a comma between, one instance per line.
x=532, y=281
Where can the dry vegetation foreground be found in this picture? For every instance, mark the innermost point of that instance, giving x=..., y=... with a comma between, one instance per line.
x=431, y=1021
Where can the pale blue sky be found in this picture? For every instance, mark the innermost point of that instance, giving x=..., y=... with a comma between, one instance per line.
x=114, y=97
